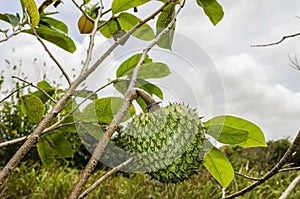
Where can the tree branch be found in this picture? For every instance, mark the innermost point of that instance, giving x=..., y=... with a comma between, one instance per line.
x=290, y=188
x=295, y=63
x=14, y=161
x=129, y=96
x=246, y=176
x=107, y=175
x=18, y=89
x=278, y=42
x=53, y=57
x=40, y=89
x=14, y=33
x=288, y=154
x=92, y=38
x=12, y=142
x=289, y=169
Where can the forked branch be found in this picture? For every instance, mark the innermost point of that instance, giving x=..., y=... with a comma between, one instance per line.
x=129, y=97
x=273, y=171
x=278, y=42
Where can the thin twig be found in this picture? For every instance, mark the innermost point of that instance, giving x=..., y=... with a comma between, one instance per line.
x=129, y=96
x=107, y=175
x=14, y=33
x=18, y=89
x=40, y=89
x=12, y=142
x=30, y=142
x=58, y=123
x=290, y=188
x=295, y=63
x=92, y=38
x=246, y=176
x=278, y=42
x=289, y=169
x=82, y=11
x=61, y=68
x=288, y=154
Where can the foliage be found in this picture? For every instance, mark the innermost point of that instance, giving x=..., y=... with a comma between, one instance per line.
x=55, y=139
x=56, y=182
x=250, y=158
x=18, y=119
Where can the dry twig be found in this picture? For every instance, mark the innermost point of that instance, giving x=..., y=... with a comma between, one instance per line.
x=278, y=42
x=273, y=171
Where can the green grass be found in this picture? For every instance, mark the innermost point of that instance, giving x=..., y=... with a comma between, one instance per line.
x=35, y=182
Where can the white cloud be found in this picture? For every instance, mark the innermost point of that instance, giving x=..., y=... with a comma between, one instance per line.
x=252, y=93
x=258, y=83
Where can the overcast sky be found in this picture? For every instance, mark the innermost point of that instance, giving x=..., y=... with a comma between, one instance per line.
x=254, y=83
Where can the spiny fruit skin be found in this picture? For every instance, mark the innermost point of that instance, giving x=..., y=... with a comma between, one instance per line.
x=165, y=143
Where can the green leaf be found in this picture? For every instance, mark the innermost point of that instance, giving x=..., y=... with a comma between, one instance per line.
x=153, y=70
x=164, y=19
x=68, y=125
x=45, y=152
x=32, y=11
x=86, y=94
x=212, y=9
x=58, y=38
x=34, y=108
x=93, y=129
x=127, y=21
x=111, y=28
x=149, y=88
x=85, y=1
x=47, y=88
x=226, y=134
x=54, y=24
x=128, y=65
x=121, y=5
x=106, y=108
x=255, y=135
x=60, y=144
x=148, y=70
x=9, y=18
x=122, y=86
x=141, y=102
x=219, y=166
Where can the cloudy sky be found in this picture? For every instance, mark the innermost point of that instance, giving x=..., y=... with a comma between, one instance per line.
x=216, y=70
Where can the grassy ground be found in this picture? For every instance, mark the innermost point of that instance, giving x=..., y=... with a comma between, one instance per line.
x=40, y=183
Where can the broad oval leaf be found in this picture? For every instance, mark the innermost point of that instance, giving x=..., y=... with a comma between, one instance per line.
x=54, y=24
x=45, y=151
x=164, y=19
x=58, y=38
x=60, y=144
x=255, y=135
x=9, y=18
x=44, y=85
x=106, y=108
x=212, y=9
x=121, y=5
x=122, y=86
x=219, y=166
x=127, y=21
x=87, y=94
x=226, y=134
x=32, y=11
x=111, y=28
x=153, y=70
x=127, y=66
x=34, y=108
x=148, y=70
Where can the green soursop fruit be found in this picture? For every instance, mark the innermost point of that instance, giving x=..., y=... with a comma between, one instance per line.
x=165, y=143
